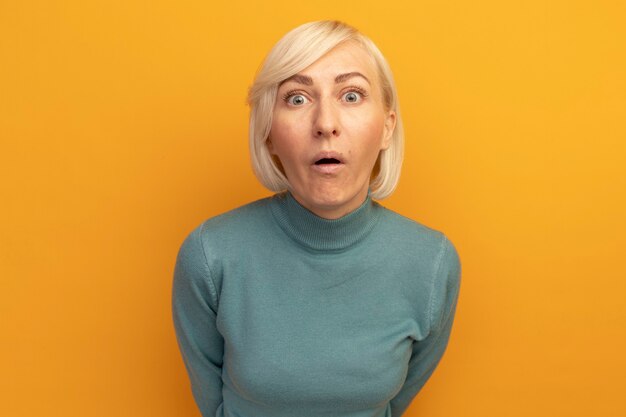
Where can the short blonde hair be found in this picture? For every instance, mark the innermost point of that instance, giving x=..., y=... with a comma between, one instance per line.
x=294, y=52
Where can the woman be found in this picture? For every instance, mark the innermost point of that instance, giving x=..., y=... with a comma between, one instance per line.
x=316, y=301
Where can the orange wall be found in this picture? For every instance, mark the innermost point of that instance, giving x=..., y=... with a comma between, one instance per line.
x=123, y=125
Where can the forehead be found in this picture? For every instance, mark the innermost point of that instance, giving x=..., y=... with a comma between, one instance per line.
x=348, y=57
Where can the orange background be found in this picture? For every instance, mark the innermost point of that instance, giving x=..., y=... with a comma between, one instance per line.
x=123, y=125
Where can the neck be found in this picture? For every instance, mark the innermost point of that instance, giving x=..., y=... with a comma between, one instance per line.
x=323, y=234
x=330, y=212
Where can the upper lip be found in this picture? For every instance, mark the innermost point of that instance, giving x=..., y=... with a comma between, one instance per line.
x=328, y=155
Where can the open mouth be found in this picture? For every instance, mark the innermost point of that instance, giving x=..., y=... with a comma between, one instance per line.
x=325, y=161
x=328, y=163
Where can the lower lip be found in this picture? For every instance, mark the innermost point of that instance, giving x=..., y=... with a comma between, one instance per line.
x=327, y=168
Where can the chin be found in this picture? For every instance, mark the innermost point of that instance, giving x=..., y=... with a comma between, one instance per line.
x=332, y=200
x=328, y=197
x=328, y=204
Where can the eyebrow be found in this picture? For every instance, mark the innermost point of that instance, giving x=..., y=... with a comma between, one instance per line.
x=298, y=78
x=306, y=80
x=343, y=77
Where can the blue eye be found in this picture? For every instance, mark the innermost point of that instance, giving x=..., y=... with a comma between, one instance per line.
x=296, y=99
x=351, y=97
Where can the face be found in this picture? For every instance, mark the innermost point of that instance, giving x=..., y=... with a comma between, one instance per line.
x=329, y=125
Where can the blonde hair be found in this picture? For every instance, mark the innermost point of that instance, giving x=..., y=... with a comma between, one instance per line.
x=294, y=52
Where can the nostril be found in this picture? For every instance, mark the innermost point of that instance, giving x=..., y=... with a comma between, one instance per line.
x=322, y=133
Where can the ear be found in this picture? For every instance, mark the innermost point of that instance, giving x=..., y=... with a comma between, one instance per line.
x=390, y=125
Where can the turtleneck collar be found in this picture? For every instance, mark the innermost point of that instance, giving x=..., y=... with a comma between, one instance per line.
x=318, y=233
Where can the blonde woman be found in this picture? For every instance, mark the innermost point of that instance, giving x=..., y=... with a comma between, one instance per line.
x=317, y=301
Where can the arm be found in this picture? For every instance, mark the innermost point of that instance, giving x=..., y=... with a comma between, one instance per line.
x=194, y=309
x=428, y=352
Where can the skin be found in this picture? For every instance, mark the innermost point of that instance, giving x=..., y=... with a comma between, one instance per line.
x=344, y=118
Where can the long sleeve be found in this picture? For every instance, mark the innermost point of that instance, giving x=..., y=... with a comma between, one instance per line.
x=428, y=352
x=194, y=309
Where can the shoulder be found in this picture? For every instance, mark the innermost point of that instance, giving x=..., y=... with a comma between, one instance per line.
x=230, y=222
x=238, y=218
x=431, y=254
x=424, y=247
x=413, y=235
x=232, y=228
x=227, y=234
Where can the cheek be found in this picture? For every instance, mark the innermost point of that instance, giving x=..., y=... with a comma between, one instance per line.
x=284, y=130
x=369, y=130
x=369, y=121
x=277, y=136
x=370, y=133
x=284, y=139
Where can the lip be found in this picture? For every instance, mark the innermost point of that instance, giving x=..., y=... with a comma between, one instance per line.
x=328, y=155
x=327, y=168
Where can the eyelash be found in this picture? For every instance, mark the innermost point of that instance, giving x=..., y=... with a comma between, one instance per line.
x=350, y=89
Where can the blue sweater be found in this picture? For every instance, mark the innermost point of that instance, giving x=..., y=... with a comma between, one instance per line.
x=281, y=313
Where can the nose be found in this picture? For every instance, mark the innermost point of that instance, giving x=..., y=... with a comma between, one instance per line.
x=326, y=120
